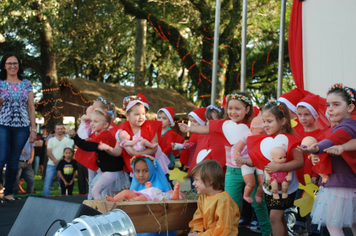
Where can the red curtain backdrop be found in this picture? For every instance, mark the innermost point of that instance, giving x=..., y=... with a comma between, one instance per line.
x=295, y=43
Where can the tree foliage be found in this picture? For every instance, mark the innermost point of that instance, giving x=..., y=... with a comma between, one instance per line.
x=95, y=39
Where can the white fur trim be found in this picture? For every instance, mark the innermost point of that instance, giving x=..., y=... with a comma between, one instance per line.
x=146, y=105
x=168, y=115
x=289, y=104
x=197, y=118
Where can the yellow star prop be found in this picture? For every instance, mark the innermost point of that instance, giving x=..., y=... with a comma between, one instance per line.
x=309, y=187
x=177, y=174
x=305, y=203
x=293, y=123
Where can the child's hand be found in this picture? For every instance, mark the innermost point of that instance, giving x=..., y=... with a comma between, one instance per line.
x=272, y=167
x=314, y=158
x=71, y=182
x=335, y=150
x=236, y=153
x=240, y=160
x=66, y=183
x=103, y=146
x=184, y=127
x=193, y=234
x=70, y=132
x=312, y=149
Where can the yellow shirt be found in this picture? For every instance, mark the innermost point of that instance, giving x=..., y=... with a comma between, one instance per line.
x=216, y=215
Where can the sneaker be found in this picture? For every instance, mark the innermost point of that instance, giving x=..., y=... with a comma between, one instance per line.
x=243, y=223
x=255, y=227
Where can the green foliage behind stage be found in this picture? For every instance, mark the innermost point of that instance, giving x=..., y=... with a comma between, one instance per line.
x=95, y=39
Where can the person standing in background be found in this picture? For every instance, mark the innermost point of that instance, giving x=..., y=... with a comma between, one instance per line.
x=17, y=119
x=55, y=148
x=39, y=153
x=25, y=168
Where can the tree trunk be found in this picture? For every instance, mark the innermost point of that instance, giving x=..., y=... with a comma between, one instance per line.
x=52, y=108
x=140, y=52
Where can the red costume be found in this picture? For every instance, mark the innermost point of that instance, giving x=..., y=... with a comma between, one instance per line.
x=338, y=135
x=308, y=165
x=255, y=153
x=189, y=152
x=202, y=151
x=148, y=131
x=218, y=140
x=167, y=139
x=89, y=159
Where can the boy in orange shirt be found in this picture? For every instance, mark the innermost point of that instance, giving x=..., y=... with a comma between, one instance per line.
x=217, y=213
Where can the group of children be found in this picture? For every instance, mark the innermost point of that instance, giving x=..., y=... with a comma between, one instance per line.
x=255, y=156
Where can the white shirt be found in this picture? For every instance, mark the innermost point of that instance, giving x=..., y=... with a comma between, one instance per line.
x=58, y=146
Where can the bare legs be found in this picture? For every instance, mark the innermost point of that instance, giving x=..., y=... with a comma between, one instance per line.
x=278, y=223
x=335, y=231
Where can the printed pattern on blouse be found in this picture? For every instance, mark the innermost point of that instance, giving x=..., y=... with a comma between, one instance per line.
x=13, y=112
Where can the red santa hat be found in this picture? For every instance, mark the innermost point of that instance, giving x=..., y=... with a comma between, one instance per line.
x=292, y=98
x=199, y=115
x=311, y=102
x=256, y=111
x=143, y=100
x=169, y=111
x=223, y=102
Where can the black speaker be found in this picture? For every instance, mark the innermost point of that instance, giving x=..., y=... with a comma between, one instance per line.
x=38, y=214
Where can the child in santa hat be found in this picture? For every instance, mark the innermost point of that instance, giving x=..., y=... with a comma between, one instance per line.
x=144, y=101
x=196, y=118
x=291, y=99
x=223, y=134
x=168, y=136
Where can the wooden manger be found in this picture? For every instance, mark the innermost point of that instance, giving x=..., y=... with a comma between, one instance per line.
x=152, y=216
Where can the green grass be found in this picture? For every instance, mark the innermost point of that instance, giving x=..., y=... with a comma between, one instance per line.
x=54, y=191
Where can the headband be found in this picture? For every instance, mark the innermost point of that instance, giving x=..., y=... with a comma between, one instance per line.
x=240, y=97
x=102, y=99
x=278, y=104
x=151, y=158
x=98, y=110
x=212, y=107
x=130, y=101
x=347, y=90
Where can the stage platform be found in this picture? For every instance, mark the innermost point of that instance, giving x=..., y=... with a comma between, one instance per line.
x=10, y=211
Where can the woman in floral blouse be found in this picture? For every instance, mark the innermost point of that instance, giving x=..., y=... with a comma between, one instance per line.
x=17, y=119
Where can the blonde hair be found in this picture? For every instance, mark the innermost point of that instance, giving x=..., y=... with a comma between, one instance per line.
x=106, y=114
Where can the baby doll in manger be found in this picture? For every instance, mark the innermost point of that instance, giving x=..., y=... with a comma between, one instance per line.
x=282, y=178
x=148, y=194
